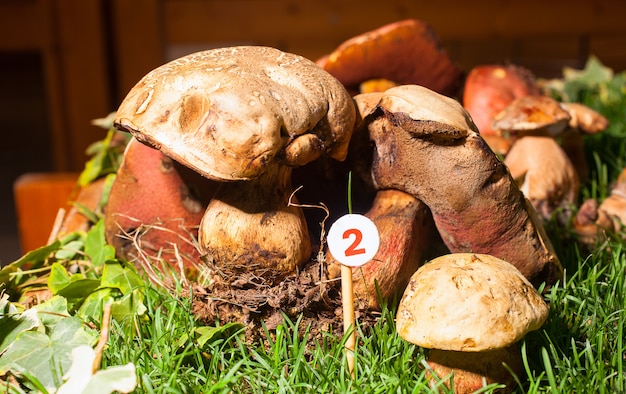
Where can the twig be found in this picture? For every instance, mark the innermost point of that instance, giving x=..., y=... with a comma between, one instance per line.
x=104, y=336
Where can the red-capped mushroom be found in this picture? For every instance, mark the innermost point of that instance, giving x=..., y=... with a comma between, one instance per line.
x=404, y=52
x=488, y=90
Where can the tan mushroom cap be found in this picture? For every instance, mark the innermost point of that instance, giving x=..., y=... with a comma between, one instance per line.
x=423, y=104
x=469, y=302
x=227, y=112
x=585, y=119
x=531, y=115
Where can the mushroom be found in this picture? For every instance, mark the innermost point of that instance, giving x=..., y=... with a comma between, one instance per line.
x=545, y=175
x=544, y=171
x=404, y=52
x=592, y=219
x=531, y=115
x=488, y=90
x=583, y=121
x=470, y=310
x=426, y=145
x=244, y=116
x=154, y=208
x=407, y=233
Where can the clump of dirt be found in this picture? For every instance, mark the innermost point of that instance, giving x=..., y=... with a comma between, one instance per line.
x=249, y=301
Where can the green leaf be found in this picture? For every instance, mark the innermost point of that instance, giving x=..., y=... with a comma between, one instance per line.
x=58, y=279
x=12, y=323
x=92, y=307
x=69, y=250
x=121, y=277
x=35, y=256
x=32, y=352
x=79, y=289
x=96, y=246
x=127, y=308
x=52, y=311
x=206, y=334
x=594, y=73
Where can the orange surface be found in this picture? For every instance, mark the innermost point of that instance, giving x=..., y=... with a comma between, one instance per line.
x=38, y=198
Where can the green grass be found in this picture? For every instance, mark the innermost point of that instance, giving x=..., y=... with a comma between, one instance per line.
x=580, y=348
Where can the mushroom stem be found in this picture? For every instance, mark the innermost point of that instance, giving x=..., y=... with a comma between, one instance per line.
x=407, y=234
x=427, y=146
x=473, y=370
x=250, y=227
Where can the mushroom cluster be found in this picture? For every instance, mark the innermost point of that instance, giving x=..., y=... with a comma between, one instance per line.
x=540, y=138
x=243, y=119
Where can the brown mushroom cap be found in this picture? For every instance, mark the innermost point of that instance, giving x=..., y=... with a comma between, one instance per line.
x=469, y=302
x=227, y=112
x=532, y=115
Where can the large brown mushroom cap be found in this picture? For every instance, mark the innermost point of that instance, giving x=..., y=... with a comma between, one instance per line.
x=469, y=302
x=227, y=112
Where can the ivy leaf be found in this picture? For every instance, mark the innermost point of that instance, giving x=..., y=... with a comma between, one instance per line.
x=46, y=357
x=205, y=334
x=52, y=311
x=12, y=323
x=92, y=307
x=121, y=277
x=594, y=73
x=80, y=377
x=96, y=246
x=127, y=308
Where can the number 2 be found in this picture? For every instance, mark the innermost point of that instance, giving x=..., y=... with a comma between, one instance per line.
x=358, y=237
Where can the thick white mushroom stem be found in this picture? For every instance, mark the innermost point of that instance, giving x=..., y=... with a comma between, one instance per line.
x=470, y=371
x=427, y=146
x=249, y=227
x=545, y=174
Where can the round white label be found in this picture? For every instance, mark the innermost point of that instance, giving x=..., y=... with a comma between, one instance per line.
x=353, y=240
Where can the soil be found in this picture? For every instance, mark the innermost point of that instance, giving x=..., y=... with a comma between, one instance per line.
x=256, y=305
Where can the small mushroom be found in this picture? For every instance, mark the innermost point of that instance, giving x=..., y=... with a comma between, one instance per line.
x=426, y=144
x=491, y=88
x=531, y=115
x=244, y=116
x=593, y=219
x=405, y=52
x=470, y=310
x=583, y=121
x=541, y=167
